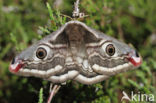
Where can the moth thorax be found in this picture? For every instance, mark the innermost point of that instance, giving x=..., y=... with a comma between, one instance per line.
x=76, y=47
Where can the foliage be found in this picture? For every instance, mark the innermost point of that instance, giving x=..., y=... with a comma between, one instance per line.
x=23, y=22
x=41, y=96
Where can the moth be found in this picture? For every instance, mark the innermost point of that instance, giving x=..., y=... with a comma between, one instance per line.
x=76, y=52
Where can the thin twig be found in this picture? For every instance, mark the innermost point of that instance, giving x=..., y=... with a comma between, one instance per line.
x=66, y=16
x=53, y=92
x=76, y=11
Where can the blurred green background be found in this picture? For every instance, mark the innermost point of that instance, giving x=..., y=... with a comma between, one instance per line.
x=23, y=22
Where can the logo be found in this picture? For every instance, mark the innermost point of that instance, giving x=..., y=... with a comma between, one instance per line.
x=138, y=97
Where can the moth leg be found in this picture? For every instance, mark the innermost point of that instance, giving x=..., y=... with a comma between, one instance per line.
x=111, y=71
x=85, y=80
x=53, y=90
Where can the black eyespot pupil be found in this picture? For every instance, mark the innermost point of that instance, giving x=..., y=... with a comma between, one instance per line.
x=41, y=53
x=110, y=50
